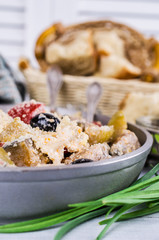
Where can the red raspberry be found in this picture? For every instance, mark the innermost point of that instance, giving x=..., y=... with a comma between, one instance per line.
x=27, y=110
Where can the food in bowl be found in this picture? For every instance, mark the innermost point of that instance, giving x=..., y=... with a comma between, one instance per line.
x=30, y=136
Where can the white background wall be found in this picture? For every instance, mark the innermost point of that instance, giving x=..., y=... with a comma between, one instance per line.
x=21, y=21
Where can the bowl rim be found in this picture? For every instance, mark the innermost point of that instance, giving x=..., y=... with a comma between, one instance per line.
x=91, y=168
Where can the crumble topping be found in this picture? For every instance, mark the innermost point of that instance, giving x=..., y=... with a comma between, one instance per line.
x=68, y=135
x=5, y=120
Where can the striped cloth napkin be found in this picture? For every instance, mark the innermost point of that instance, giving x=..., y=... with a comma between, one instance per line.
x=9, y=92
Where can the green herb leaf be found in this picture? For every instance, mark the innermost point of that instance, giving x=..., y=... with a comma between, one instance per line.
x=135, y=214
x=110, y=221
x=153, y=204
x=148, y=175
x=157, y=137
x=109, y=211
x=75, y=222
x=37, y=220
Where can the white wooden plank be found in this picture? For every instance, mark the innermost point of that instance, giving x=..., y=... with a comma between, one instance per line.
x=14, y=3
x=147, y=8
x=37, y=20
x=64, y=10
x=12, y=34
x=11, y=17
x=11, y=50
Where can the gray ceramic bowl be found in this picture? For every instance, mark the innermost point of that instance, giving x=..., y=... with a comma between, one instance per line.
x=32, y=192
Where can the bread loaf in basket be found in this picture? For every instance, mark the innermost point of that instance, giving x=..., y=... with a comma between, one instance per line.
x=115, y=55
x=103, y=48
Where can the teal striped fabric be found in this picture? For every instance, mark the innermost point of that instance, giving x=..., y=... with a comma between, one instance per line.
x=8, y=90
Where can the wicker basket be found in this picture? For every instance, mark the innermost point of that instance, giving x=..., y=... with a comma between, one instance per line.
x=74, y=89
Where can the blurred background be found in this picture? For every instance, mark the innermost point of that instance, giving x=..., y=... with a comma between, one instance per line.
x=123, y=62
x=21, y=21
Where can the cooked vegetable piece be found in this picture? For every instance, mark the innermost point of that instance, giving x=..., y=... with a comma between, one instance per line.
x=119, y=123
x=126, y=143
x=4, y=158
x=99, y=134
x=23, y=153
x=5, y=120
x=95, y=152
x=15, y=130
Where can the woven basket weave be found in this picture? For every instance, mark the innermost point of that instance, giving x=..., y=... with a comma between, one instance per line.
x=74, y=89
